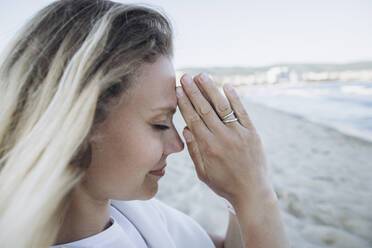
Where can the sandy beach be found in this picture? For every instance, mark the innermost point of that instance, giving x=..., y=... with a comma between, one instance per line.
x=322, y=179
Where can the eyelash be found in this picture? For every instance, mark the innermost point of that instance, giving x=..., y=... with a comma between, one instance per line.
x=161, y=127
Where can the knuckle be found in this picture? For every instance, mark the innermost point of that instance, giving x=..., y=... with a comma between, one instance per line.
x=194, y=119
x=223, y=108
x=205, y=110
x=194, y=92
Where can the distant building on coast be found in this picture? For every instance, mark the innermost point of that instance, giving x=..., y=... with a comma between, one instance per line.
x=292, y=74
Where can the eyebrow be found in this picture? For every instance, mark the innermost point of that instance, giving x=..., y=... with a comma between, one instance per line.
x=167, y=109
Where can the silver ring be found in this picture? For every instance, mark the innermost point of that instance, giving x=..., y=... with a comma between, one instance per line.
x=231, y=120
x=228, y=115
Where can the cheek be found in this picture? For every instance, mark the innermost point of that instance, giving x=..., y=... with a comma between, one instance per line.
x=145, y=149
x=124, y=158
x=135, y=145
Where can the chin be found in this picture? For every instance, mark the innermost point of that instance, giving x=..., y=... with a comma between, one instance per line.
x=147, y=193
x=151, y=194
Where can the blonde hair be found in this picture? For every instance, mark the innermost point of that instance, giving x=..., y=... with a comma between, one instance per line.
x=56, y=84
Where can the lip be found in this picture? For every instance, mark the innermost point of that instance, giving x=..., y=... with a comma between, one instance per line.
x=159, y=172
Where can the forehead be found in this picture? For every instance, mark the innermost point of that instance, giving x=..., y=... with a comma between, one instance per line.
x=154, y=86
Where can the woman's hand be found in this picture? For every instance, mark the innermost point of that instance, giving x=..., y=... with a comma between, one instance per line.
x=228, y=157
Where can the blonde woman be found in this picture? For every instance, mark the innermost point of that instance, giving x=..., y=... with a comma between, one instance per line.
x=87, y=97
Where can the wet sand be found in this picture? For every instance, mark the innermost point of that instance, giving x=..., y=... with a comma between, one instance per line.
x=323, y=180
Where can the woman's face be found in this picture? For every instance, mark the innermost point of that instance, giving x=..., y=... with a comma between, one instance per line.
x=134, y=140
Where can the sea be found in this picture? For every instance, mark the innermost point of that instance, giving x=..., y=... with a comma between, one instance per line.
x=345, y=106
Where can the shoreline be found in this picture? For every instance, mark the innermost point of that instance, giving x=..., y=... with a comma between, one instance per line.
x=362, y=137
x=343, y=126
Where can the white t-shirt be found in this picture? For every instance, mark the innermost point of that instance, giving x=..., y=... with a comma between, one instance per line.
x=142, y=224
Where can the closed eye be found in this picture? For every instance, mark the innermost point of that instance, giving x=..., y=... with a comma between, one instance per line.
x=161, y=127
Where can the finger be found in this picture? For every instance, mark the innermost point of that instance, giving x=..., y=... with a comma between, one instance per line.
x=201, y=105
x=195, y=79
x=219, y=101
x=194, y=152
x=191, y=117
x=238, y=107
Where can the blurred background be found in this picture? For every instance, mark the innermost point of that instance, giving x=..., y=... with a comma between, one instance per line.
x=304, y=72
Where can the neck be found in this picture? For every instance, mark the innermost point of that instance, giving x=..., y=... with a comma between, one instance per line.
x=85, y=216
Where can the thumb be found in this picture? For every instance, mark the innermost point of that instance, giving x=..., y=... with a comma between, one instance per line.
x=193, y=149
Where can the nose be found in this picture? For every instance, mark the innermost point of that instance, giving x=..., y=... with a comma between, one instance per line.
x=174, y=143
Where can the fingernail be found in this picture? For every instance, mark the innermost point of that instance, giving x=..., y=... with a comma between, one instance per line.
x=186, y=79
x=229, y=87
x=204, y=77
x=179, y=91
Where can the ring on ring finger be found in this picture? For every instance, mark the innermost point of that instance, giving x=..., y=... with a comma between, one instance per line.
x=229, y=117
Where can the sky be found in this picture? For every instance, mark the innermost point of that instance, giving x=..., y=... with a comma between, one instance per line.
x=247, y=32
